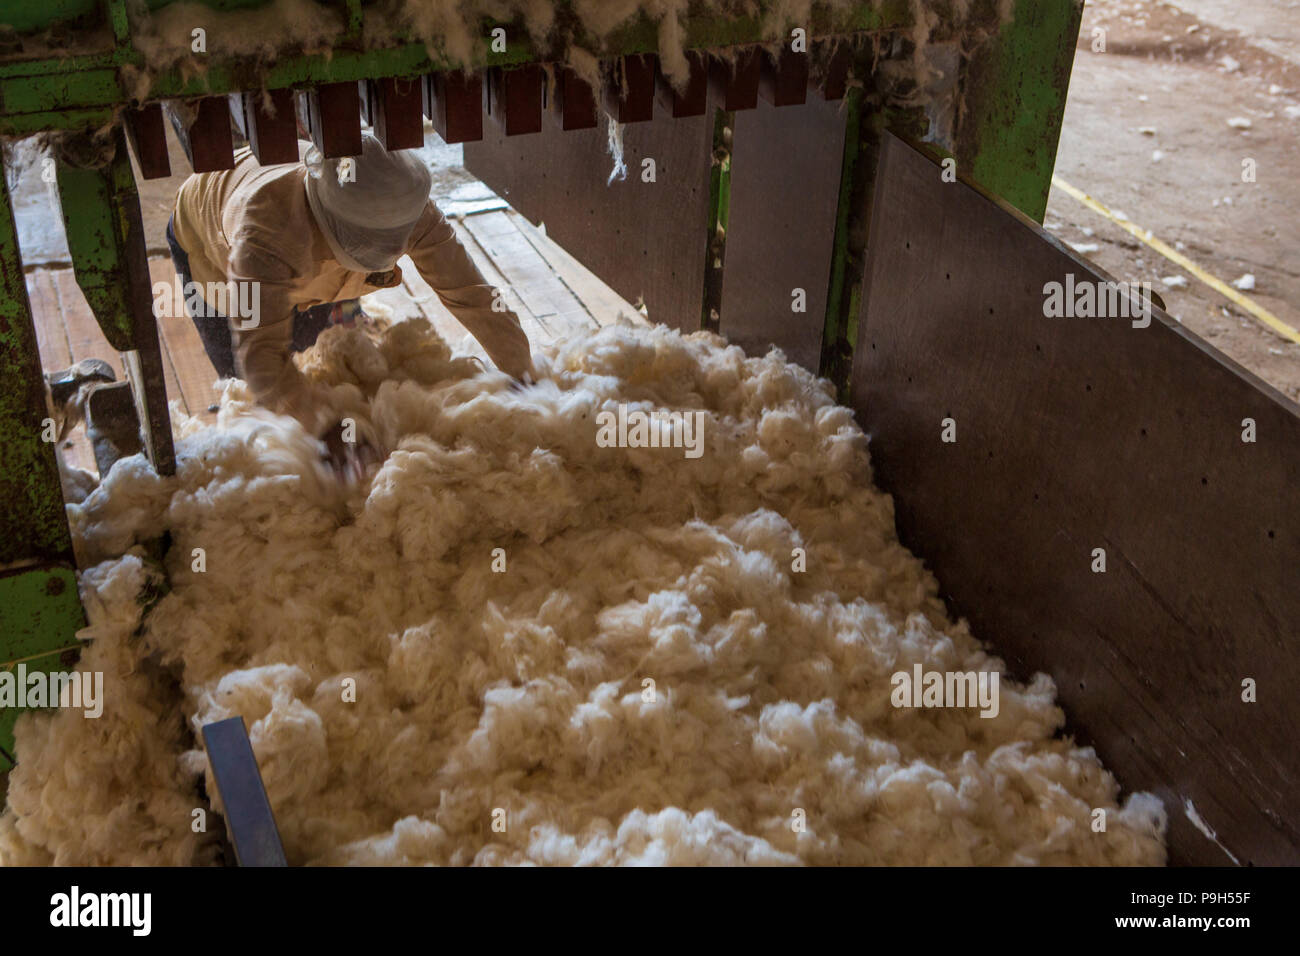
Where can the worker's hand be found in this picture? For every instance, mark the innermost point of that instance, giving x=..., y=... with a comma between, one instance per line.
x=526, y=378
x=349, y=458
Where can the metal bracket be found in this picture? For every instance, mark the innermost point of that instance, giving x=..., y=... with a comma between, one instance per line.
x=248, y=811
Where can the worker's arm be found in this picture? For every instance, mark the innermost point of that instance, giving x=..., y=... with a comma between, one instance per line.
x=443, y=263
x=263, y=344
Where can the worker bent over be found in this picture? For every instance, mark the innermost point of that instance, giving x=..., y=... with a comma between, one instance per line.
x=314, y=236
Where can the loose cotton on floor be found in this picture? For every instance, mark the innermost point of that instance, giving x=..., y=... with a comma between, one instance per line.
x=513, y=644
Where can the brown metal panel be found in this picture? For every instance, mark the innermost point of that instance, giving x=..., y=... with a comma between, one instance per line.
x=630, y=88
x=369, y=97
x=734, y=80
x=836, y=58
x=694, y=98
x=647, y=241
x=272, y=133
x=454, y=103
x=212, y=147
x=148, y=137
x=574, y=102
x=1082, y=433
x=512, y=98
x=334, y=119
x=785, y=183
x=394, y=107
x=784, y=79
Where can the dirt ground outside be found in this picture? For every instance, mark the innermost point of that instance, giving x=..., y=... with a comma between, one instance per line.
x=1168, y=101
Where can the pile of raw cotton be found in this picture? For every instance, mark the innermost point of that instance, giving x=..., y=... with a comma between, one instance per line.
x=512, y=643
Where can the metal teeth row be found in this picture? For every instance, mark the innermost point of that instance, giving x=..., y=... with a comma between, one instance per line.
x=518, y=99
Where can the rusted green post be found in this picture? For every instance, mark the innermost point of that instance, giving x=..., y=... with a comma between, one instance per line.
x=40, y=611
x=101, y=214
x=1014, y=93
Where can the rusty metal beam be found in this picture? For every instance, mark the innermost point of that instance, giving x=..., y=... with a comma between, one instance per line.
x=211, y=145
x=333, y=118
x=395, y=108
x=630, y=88
x=271, y=128
x=735, y=80
x=512, y=98
x=693, y=98
x=574, y=101
x=147, y=135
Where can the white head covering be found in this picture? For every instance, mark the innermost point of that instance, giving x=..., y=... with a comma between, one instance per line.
x=367, y=205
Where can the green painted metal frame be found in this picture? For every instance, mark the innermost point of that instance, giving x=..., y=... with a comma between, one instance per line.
x=32, y=523
x=92, y=217
x=719, y=204
x=1013, y=95
x=87, y=90
x=105, y=233
x=1014, y=91
x=40, y=612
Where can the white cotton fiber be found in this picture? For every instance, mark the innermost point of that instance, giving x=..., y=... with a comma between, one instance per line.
x=454, y=33
x=647, y=681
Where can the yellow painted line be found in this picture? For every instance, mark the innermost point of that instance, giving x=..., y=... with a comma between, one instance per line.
x=1173, y=255
x=22, y=660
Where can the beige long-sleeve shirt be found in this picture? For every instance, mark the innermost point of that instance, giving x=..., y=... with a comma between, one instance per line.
x=253, y=223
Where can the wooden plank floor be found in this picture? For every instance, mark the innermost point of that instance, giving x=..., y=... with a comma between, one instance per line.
x=552, y=293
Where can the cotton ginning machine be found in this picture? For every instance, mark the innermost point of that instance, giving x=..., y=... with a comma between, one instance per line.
x=864, y=195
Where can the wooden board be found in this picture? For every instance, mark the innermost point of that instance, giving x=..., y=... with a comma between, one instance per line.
x=171, y=380
x=525, y=270
x=51, y=333
x=52, y=342
x=1075, y=434
x=785, y=182
x=602, y=304
x=537, y=327
x=646, y=240
x=183, y=350
x=85, y=338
